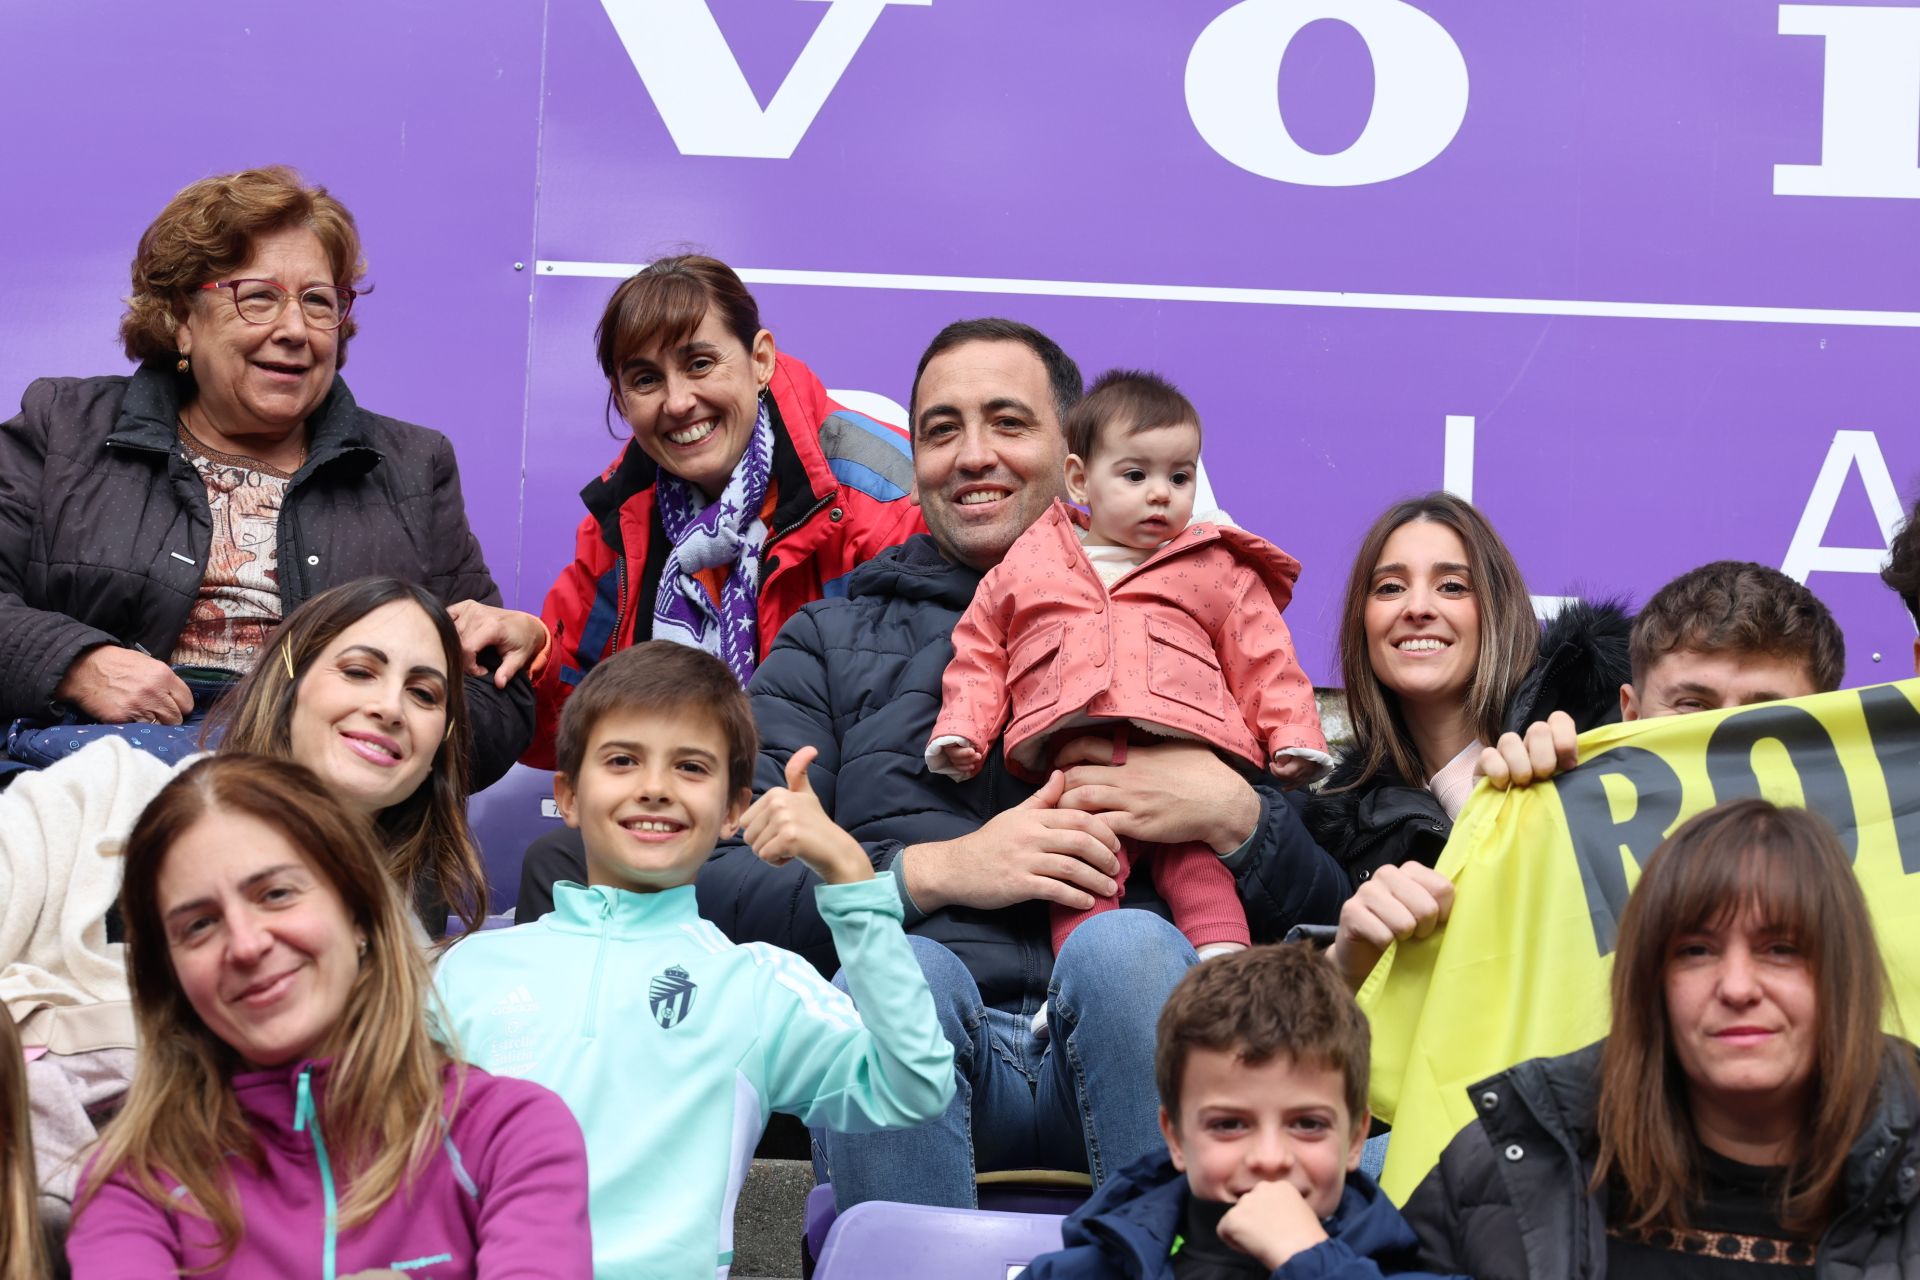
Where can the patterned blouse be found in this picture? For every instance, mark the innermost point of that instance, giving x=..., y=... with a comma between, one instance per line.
x=238, y=605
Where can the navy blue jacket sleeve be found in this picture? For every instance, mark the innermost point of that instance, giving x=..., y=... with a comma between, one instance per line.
x=749, y=900
x=1284, y=878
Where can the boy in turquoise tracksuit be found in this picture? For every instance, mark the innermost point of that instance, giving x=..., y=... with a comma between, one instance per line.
x=671, y=1044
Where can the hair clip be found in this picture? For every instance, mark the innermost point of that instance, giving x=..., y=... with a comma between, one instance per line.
x=286, y=652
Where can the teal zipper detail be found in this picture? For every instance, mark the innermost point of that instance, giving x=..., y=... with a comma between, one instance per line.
x=599, y=962
x=304, y=1118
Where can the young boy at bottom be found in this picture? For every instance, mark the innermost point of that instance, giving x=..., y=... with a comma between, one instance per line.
x=671, y=1044
x=1261, y=1061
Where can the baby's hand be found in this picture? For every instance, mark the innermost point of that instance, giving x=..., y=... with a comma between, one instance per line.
x=1272, y=1222
x=788, y=822
x=965, y=759
x=1293, y=770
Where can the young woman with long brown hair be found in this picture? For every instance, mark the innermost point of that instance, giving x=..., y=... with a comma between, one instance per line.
x=1745, y=1115
x=1440, y=653
x=292, y=1112
x=361, y=686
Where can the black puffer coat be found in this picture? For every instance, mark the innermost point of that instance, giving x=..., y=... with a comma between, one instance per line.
x=1508, y=1200
x=1580, y=668
x=860, y=679
x=104, y=532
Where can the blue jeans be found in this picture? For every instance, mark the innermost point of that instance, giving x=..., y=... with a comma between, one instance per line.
x=1373, y=1157
x=1083, y=1099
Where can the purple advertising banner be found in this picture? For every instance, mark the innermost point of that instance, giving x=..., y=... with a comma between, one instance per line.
x=1639, y=279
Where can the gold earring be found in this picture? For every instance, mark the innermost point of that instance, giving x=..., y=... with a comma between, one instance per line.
x=286, y=652
x=181, y=366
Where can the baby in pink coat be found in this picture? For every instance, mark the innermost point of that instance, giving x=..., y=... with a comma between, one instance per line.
x=1133, y=620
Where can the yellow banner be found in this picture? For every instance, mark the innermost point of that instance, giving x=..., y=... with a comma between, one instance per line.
x=1521, y=968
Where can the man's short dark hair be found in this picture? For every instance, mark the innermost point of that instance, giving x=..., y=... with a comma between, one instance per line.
x=1903, y=564
x=1740, y=607
x=1258, y=1004
x=661, y=677
x=1063, y=375
x=1130, y=399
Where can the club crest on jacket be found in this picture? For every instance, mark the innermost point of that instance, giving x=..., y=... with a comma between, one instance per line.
x=670, y=996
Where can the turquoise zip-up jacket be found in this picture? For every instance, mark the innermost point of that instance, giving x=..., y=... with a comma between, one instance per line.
x=673, y=1045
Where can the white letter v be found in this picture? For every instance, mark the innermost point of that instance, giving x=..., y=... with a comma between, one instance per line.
x=703, y=97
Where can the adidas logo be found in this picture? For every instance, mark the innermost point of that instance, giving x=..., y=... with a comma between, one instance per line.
x=518, y=1002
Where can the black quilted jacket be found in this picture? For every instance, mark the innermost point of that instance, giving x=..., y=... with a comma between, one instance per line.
x=104, y=531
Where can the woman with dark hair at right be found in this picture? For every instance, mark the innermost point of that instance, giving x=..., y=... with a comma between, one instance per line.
x=1440, y=653
x=1745, y=1116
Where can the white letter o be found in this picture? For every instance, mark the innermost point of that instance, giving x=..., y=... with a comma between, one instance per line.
x=1419, y=90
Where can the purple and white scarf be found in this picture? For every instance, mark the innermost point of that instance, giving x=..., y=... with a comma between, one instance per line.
x=729, y=532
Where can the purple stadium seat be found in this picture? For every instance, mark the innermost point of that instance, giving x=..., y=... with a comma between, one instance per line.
x=820, y=1216
x=506, y=818
x=1050, y=1192
x=880, y=1238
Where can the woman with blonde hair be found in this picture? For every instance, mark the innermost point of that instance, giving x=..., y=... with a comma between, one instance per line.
x=293, y=1113
x=23, y=1246
x=1745, y=1114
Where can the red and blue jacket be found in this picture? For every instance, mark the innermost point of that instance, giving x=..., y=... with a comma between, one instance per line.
x=841, y=482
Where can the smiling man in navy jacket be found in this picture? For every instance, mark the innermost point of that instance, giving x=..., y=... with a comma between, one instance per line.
x=977, y=862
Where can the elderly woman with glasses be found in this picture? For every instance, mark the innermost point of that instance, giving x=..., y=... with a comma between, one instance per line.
x=164, y=522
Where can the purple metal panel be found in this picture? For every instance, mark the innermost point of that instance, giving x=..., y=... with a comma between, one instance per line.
x=1622, y=153
x=1617, y=153
x=422, y=118
x=1613, y=151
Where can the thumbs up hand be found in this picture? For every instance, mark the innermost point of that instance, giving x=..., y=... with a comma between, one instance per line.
x=788, y=822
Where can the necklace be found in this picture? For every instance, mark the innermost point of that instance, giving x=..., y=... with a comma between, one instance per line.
x=195, y=444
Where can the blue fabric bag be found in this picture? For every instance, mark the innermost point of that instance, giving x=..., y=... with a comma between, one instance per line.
x=37, y=743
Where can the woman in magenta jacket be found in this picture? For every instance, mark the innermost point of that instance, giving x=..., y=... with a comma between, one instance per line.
x=292, y=1114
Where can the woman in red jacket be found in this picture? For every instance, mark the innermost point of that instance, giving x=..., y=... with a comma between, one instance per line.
x=744, y=494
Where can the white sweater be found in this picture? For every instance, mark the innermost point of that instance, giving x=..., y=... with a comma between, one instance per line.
x=62, y=832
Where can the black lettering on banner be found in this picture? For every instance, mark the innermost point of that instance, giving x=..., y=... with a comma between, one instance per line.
x=1893, y=726
x=1823, y=780
x=1598, y=839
